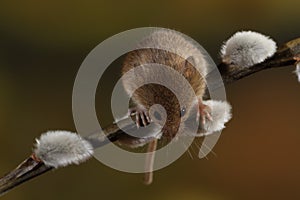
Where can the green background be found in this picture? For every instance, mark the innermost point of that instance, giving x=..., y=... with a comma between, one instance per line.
x=42, y=44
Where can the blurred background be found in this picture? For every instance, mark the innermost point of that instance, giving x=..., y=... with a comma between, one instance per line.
x=42, y=46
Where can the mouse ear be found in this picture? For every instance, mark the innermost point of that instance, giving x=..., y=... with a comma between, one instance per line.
x=188, y=65
x=190, y=60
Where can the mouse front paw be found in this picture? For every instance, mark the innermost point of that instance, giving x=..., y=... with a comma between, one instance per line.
x=141, y=116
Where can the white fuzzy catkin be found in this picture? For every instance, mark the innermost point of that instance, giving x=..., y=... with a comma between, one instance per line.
x=221, y=114
x=247, y=48
x=62, y=148
x=297, y=71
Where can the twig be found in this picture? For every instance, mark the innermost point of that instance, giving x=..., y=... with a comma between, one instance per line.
x=33, y=167
x=288, y=54
x=27, y=170
x=285, y=56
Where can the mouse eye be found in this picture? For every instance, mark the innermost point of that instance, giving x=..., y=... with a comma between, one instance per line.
x=157, y=115
x=182, y=112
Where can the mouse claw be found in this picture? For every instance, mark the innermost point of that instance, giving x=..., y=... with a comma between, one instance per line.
x=141, y=116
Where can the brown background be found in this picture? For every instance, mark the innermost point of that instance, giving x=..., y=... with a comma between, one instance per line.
x=42, y=46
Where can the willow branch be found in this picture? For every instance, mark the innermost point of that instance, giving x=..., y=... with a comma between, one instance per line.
x=286, y=55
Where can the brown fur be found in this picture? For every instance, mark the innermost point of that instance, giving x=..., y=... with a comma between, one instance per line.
x=150, y=94
x=177, y=52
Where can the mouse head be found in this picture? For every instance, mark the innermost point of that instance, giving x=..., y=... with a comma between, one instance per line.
x=168, y=109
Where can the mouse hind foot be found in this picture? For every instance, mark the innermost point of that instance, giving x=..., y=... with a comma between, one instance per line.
x=204, y=113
